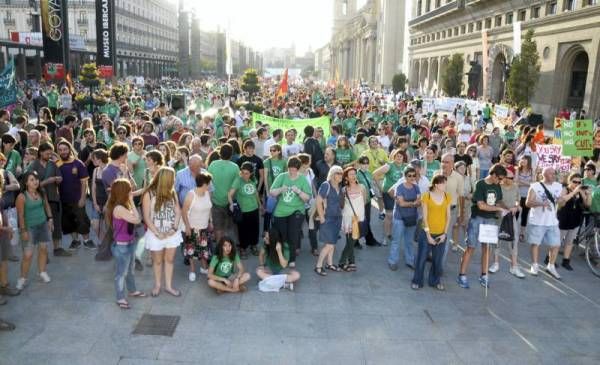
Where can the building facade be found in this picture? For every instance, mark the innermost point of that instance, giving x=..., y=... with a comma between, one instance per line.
x=566, y=33
x=367, y=44
x=323, y=63
x=146, y=35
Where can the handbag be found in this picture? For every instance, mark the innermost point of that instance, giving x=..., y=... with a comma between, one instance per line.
x=507, y=229
x=355, y=225
x=271, y=202
x=236, y=213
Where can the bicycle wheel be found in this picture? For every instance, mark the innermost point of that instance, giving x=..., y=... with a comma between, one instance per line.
x=592, y=254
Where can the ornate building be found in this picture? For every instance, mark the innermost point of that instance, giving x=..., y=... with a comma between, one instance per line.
x=367, y=44
x=566, y=32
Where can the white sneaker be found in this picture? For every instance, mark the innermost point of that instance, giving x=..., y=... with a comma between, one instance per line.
x=386, y=241
x=454, y=248
x=535, y=268
x=203, y=271
x=289, y=286
x=362, y=241
x=552, y=271
x=516, y=271
x=45, y=277
x=21, y=283
x=494, y=268
x=192, y=276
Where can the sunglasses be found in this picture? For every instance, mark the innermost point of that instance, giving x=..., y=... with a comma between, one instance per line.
x=576, y=182
x=510, y=178
x=121, y=132
x=411, y=175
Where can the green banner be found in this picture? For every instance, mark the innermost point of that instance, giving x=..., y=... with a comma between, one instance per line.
x=577, y=137
x=8, y=85
x=298, y=124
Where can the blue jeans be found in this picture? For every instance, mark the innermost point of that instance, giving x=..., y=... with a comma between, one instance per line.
x=437, y=253
x=402, y=233
x=123, y=254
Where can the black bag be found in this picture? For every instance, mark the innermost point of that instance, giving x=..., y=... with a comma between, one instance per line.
x=8, y=198
x=409, y=221
x=507, y=228
x=236, y=213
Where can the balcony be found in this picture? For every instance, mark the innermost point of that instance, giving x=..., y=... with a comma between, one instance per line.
x=436, y=13
x=10, y=22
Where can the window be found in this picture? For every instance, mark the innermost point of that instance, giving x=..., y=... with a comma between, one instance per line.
x=590, y=2
x=498, y=22
x=522, y=15
x=455, y=31
x=470, y=27
x=463, y=29
x=570, y=5
x=535, y=12
x=419, y=6
x=427, y=5
x=488, y=23
x=509, y=18
x=478, y=26
x=551, y=8
x=438, y=3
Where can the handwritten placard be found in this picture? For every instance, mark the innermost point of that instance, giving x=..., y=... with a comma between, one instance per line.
x=550, y=155
x=577, y=137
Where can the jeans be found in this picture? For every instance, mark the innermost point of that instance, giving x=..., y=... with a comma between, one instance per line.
x=402, y=233
x=347, y=256
x=453, y=219
x=290, y=228
x=437, y=253
x=123, y=255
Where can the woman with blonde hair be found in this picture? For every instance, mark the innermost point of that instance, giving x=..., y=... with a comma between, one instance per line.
x=162, y=215
x=123, y=216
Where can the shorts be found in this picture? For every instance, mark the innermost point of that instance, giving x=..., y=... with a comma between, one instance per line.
x=473, y=229
x=4, y=246
x=547, y=235
x=153, y=243
x=222, y=219
x=388, y=202
x=39, y=235
x=198, y=244
x=74, y=219
x=56, y=220
x=568, y=235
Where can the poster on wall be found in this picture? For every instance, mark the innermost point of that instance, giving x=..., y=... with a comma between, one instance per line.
x=105, y=39
x=55, y=38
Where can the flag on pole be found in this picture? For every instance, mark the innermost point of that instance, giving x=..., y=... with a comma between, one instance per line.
x=283, y=87
x=69, y=82
x=8, y=85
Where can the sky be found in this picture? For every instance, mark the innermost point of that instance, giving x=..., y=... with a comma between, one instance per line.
x=263, y=24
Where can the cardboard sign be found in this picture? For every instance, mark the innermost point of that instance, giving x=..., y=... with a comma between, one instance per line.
x=488, y=233
x=577, y=137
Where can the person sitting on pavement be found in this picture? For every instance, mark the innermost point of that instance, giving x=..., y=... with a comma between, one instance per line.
x=226, y=271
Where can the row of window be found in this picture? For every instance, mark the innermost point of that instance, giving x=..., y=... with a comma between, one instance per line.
x=568, y=5
x=535, y=12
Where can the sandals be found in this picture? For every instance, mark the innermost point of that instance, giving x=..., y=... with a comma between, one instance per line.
x=138, y=294
x=344, y=267
x=173, y=292
x=155, y=293
x=351, y=267
x=123, y=305
x=333, y=268
x=320, y=271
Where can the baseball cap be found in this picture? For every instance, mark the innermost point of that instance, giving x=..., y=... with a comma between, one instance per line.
x=415, y=163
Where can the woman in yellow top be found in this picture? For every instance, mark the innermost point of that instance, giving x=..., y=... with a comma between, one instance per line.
x=432, y=238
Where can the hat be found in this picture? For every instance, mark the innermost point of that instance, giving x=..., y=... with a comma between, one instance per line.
x=415, y=163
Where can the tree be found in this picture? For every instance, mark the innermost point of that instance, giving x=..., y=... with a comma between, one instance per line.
x=89, y=75
x=452, y=79
x=399, y=82
x=250, y=82
x=524, y=72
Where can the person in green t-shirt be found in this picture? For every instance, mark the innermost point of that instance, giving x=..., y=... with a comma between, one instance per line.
x=344, y=153
x=431, y=165
x=222, y=273
x=391, y=173
x=273, y=259
x=224, y=173
x=245, y=193
x=595, y=206
x=292, y=192
x=137, y=161
x=52, y=96
x=349, y=126
x=589, y=178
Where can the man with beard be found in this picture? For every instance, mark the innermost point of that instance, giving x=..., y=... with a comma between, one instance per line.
x=72, y=196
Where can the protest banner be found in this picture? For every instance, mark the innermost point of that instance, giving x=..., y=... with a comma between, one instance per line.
x=298, y=124
x=577, y=137
x=8, y=87
x=549, y=155
x=501, y=111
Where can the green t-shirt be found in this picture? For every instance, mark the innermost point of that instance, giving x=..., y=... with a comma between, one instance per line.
x=344, y=155
x=224, y=268
x=276, y=167
x=13, y=161
x=488, y=193
x=224, y=173
x=245, y=194
x=394, y=174
x=365, y=178
x=276, y=267
x=139, y=169
x=349, y=126
x=432, y=167
x=487, y=112
x=589, y=182
x=52, y=99
x=289, y=202
x=595, y=207
x=245, y=130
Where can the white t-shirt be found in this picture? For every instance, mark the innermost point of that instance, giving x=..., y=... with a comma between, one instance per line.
x=464, y=132
x=541, y=216
x=384, y=141
x=267, y=147
x=289, y=150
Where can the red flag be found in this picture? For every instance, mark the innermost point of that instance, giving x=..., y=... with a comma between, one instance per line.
x=283, y=87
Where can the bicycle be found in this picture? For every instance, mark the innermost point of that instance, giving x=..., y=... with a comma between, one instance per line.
x=588, y=238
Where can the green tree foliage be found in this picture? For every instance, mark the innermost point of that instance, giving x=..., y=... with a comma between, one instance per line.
x=524, y=72
x=250, y=82
x=452, y=79
x=89, y=75
x=399, y=82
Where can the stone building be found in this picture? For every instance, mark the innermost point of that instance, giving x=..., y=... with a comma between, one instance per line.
x=367, y=44
x=566, y=32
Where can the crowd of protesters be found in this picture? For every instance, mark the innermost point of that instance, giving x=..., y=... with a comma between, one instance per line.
x=142, y=182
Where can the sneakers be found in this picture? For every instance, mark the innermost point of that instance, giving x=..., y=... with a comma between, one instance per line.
x=21, y=283
x=494, y=268
x=289, y=286
x=292, y=264
x=192, y=276
x=566, y=263
x=483, y=280
x=535, y=269
x=551, y=269
x=89, y=244
x=393, y=267
x=8, y=291
x=61, y=252
x=386, y=241
x=75, y=245
x=203, y=271
x=462, y=281
x=45, y=277
x=516, y=271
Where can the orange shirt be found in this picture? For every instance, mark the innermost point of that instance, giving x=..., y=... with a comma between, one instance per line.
x=539, y=137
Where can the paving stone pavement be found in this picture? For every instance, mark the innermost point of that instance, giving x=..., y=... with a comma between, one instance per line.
x=367, y=317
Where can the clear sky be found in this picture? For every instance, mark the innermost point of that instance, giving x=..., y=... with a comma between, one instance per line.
x=269, y=23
